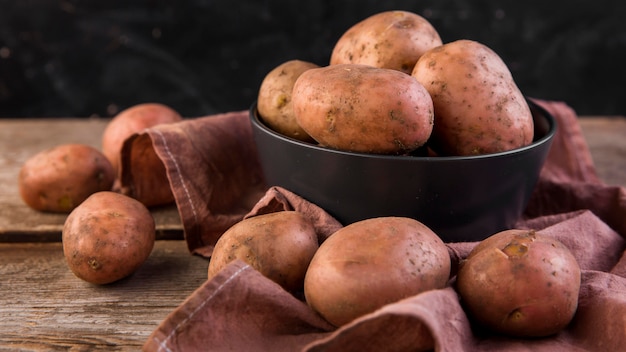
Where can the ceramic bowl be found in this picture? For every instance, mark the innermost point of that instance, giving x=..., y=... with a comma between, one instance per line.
x=461, y=198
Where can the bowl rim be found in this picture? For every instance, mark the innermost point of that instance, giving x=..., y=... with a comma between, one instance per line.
x=552, y=127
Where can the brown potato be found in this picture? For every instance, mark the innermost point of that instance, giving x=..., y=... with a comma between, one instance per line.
x=133, y=120
x=60, y=178
x=362, y=108
x=108, y=237
x=390, y=39
x=371, y=263
x=478, y=107
x=279, y=245
x=520, y=283
x=274, y=99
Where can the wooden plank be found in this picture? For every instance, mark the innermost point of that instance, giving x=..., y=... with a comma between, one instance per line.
x=19, y=140
x=44, y=307
x=606, y=138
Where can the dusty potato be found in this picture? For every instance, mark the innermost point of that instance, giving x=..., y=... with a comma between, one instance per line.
x=274, y=99
x=371, y=263
x=390, y=39
x=478, y=107
x=108, y=237
x=520, y=283
x=279, y=245
x=60, y=178
x=133, y=120
x=361, y=108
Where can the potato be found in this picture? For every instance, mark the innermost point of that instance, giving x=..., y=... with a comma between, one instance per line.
x=108, y=237
x=520, y=283
x=59, y=178
x=279, y=245
x=478, y=107
x=390, y=39
x=370, y=263
x=362, y=108
x=133, y=120
x=274, y=99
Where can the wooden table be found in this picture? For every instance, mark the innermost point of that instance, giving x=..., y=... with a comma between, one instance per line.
x=43, y=306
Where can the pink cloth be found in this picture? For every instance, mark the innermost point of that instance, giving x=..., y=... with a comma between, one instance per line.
x=216, y=181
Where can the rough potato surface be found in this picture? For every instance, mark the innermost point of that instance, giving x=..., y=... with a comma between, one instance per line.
x=108, y=237
x=361, y=108
x=390, y=39
x=478, y=107
x=274, y=100
x=520, y=283
x=371, y=263
x=60, y=178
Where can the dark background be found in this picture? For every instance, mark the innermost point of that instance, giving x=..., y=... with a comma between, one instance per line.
x=94, y=58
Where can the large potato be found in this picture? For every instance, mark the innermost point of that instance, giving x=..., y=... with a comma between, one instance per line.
x=133, y=120
x=390, y=39
x=108, y=237
x=274, y=99
x=371, y=263
x=520, y=283
x=279, y=245
x=478, y=107
x=362, y=108
x=60, y=178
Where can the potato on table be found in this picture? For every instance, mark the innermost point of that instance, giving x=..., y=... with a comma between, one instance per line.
x=108, y=237
x=60, y=178
x=133, y=120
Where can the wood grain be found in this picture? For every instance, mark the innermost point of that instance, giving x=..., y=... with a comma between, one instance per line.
x=44, y=307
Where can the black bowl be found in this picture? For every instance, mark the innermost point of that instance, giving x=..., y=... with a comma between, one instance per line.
x=460, y=198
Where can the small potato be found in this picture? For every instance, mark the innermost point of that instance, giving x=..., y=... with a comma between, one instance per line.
x=361, y=108
x=133, y=120
x=279, y=245
x=478, y=107
x=274, y=99
x=390, y=39
x=371, y=263
x=60, y=178
x=520, y=283
x=108, y=237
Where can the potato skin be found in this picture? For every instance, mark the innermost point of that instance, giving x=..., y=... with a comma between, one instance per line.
x=108, y=237
x=133, y=120
x=478, y=107
x=371, y=263
x=279, y=245
x=60, y=178
x=361, y=108
x=520, y=283
x=389, y=39
x=274, y=99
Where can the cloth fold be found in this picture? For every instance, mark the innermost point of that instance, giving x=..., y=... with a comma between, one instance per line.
x=216, y=181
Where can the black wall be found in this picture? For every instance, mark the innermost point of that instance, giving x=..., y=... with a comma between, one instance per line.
x=85, y=58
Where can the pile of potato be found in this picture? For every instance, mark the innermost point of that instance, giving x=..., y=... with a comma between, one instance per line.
x=392, y=86
x=108, y=234
x=516, y=282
